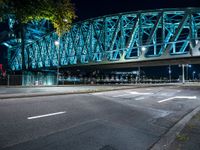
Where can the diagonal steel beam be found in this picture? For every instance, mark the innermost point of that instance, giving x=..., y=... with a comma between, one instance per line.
x=131, y=38
x=185, y=44
x=176, y=35
x=153, y=30
x=98, y=42
x=115, y=33
x=192, y=32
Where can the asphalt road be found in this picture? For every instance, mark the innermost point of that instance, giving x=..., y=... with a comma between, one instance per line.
x=132, y=119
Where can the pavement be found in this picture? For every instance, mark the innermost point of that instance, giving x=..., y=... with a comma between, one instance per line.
x=179, y=137
x=23, y=91
x=188, y=138
x=114, y=118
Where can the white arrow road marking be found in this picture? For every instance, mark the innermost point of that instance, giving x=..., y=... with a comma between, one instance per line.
x=46, y=115
x=137, y=93
x=178, y=97
x=132, y=93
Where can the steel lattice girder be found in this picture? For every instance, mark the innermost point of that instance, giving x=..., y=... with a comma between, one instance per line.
x=123, y=37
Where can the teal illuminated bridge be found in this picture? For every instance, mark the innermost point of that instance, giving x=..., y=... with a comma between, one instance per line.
x=141, y=36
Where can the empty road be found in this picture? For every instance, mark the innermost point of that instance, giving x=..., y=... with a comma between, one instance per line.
x=131, y=119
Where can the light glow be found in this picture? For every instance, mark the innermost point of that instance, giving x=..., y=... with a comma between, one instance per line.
x=56, y=43
x=144, y=48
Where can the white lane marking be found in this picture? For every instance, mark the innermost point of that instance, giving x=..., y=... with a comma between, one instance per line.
x=139, y=98
x=121, y=95
x=140, y=93
x=46, y=115
x=178, y=97
x=148, y=89
x=96, y=93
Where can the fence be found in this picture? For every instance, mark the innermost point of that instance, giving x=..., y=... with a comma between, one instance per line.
x=49, y=80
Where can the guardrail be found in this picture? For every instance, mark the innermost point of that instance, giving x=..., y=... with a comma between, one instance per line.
x=18, y=80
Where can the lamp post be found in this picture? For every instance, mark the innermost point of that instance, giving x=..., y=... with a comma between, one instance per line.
x=193, y=74
x=188, y=66
x=170, y=71
x=57, y=43
x=139, y=74
x=183, y=73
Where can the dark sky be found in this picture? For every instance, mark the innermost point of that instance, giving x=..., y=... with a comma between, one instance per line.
x=94, y=8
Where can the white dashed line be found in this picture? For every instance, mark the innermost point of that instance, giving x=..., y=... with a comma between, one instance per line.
x=139, y=98
x=121, y=95
x=148, y=89
x=46, y=115
x=97, y=93
x=137, y=93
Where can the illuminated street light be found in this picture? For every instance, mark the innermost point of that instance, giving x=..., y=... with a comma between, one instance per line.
x=143, y=48
x=65, y=20
x=56, y=43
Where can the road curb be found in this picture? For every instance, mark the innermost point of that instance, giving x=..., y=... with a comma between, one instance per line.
x=166, y=140
x=55, y=94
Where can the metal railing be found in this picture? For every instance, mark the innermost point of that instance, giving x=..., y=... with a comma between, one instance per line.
x=50, y=80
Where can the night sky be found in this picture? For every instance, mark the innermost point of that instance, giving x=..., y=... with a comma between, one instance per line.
x=93, y=8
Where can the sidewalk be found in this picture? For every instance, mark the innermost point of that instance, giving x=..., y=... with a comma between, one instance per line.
x=189, y=137
x=22, y=92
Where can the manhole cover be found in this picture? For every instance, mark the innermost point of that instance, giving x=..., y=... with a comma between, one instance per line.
x=107, y=147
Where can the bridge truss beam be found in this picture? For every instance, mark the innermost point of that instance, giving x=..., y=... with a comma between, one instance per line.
x=126, y=37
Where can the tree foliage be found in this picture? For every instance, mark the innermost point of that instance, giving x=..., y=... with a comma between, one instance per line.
x=60, y=13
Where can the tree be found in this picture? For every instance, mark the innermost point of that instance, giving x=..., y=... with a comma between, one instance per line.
x=60, y=13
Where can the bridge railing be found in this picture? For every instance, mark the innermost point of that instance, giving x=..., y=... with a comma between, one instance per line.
x=50, y=80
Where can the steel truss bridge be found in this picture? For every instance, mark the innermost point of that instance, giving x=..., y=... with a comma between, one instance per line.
x=142, y=36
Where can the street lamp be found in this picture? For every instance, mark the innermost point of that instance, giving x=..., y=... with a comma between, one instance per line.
x=139, y=71
x=188, y=66
x=193, y=75
x=143, y=48
x=57, y=43
x=183, y=73
x=170, y=71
